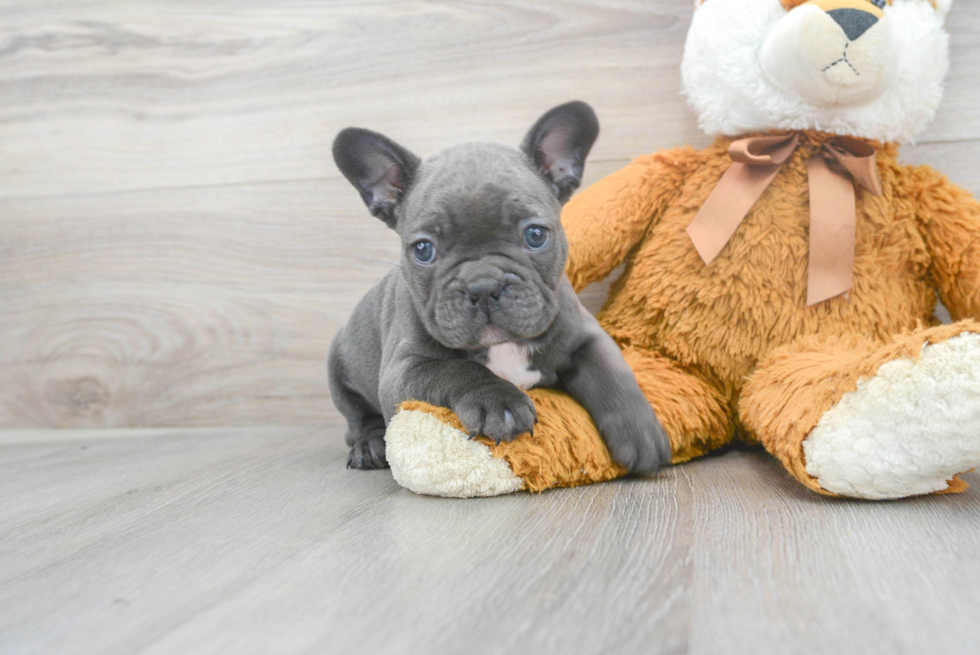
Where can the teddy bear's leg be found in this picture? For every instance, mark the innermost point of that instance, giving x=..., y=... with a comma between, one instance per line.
x=851, y=417
x=430, y=453
x=695, y=414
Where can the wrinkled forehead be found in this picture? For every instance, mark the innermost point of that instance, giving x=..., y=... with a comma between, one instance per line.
x=478, y=182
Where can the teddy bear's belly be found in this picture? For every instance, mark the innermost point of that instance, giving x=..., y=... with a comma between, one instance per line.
x=723, y=318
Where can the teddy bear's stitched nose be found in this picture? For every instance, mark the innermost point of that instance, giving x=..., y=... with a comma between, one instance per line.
x=854, y=22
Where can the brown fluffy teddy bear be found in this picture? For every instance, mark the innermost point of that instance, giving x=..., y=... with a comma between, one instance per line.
x=779, y=285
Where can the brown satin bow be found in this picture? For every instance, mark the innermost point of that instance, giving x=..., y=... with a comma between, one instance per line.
x=756, y=162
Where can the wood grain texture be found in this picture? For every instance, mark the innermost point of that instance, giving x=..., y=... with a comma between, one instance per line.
x=176, y=247
x=164, y=94
x=257, y=540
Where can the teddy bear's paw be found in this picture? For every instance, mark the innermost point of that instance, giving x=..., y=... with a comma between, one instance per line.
x=908, y=430
x=431, y=457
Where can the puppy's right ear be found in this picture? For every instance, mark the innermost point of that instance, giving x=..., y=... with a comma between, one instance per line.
x=380, y=169
x=559, y=143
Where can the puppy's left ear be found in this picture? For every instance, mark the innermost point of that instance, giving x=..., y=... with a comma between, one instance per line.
x=380, y=169
x=559, y=143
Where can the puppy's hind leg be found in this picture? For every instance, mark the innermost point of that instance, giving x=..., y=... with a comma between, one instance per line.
x=365, y=425
x=367, y=443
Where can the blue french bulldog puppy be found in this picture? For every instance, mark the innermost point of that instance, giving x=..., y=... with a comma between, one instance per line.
x=479, y=307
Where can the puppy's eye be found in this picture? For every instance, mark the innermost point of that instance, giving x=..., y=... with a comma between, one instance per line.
x=880, y=4
x=424, y=251
x=536, y=237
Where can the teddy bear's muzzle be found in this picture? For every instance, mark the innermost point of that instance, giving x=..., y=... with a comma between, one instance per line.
x=831, y=52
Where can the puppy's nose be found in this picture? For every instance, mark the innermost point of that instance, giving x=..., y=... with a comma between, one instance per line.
x=854, y=22
x=484, y=291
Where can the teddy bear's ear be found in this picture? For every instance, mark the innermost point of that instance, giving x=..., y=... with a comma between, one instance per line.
x=559, y=143
x=379, y=169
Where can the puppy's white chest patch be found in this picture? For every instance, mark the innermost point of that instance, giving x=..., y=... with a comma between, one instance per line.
x=512, y=362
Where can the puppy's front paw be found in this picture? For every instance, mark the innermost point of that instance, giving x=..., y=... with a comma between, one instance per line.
x=499, y=411
x=636, y=442
x=368, y=453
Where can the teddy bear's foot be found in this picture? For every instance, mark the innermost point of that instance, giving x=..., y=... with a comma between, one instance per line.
x=908, y=430
x=851, y=417
x=430, y=453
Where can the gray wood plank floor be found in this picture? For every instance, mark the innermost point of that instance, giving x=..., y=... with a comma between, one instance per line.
x=258, y=540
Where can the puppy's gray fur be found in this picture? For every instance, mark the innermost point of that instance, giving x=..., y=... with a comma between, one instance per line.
x=427, y=330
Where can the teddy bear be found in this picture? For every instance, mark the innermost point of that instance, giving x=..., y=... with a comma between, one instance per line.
x=779, y=286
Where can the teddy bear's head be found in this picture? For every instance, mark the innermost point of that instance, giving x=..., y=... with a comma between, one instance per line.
x=867, y=68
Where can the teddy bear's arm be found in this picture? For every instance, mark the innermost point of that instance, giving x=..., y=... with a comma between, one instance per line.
x=950, y=220
x=605, y=221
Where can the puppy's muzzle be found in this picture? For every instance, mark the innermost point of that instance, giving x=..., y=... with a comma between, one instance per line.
x=484, y=293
